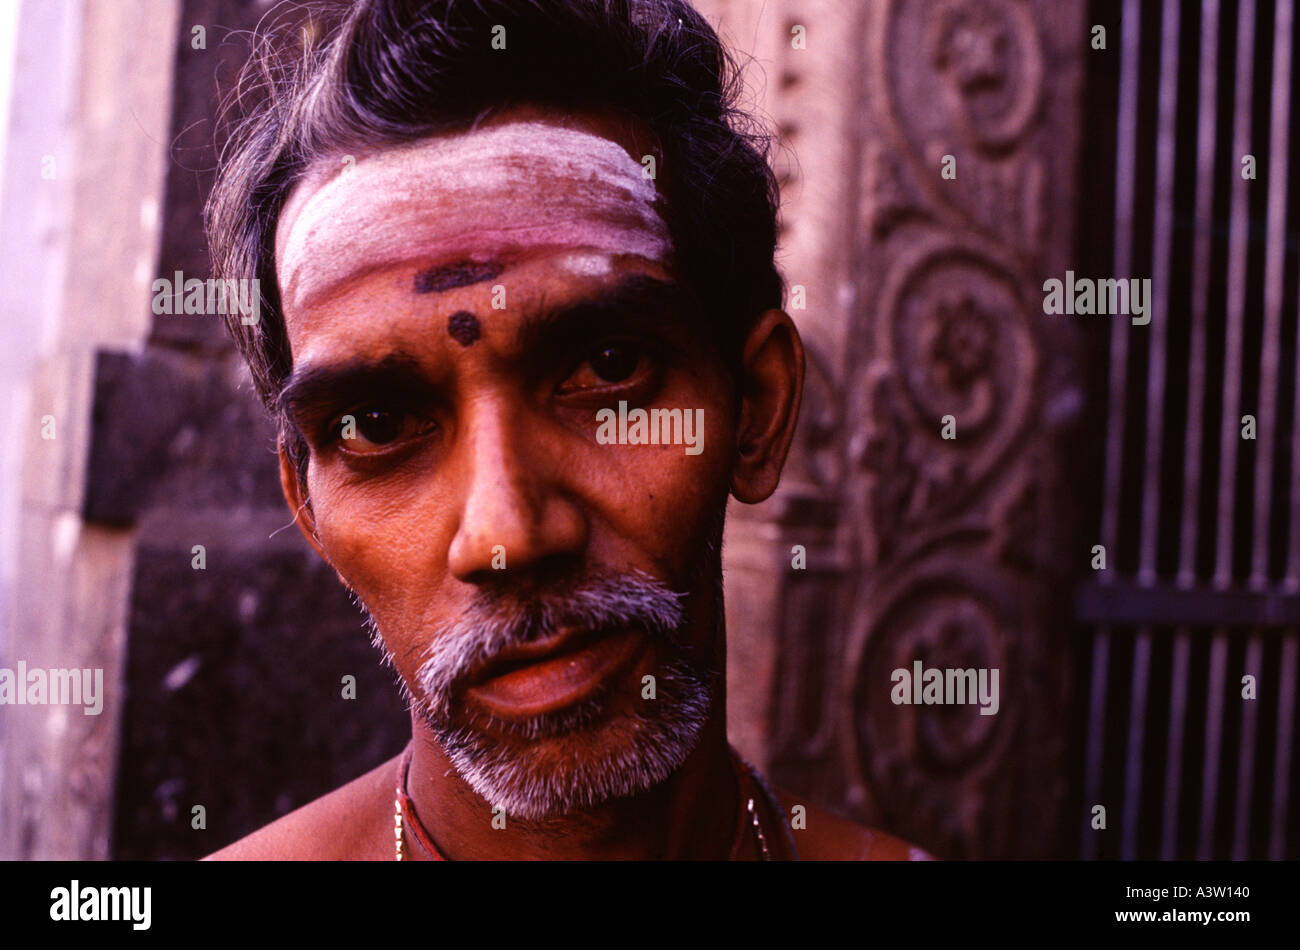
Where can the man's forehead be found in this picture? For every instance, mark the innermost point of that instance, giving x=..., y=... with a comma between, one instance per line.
x=474, y=201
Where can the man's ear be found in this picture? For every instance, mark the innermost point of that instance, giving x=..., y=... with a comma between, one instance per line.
x=772, y=367
x=293, y=494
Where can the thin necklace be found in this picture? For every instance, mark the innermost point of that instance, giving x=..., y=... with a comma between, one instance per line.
x=404, y=815
x=774, y=808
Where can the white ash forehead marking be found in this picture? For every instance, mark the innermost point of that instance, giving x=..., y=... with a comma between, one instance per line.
x=472, y=195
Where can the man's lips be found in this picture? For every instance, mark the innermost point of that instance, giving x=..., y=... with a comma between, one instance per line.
x=536, y=678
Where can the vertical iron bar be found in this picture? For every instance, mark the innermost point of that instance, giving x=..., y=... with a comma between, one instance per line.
x=1246, y=759
x=1136, y=732
x=1206, y=130
x=1275, y=259
x=1229, y=432
x=1174, y=751
x=1269, y=395
x=1277, y=842
x=1125, y=174
x=1213, y=735
x=1158, y=314
x=1285, y=737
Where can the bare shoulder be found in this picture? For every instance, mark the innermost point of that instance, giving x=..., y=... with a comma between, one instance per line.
x=829, y=837
x=348, y=824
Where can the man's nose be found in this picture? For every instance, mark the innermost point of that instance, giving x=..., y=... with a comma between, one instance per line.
x=515, y=513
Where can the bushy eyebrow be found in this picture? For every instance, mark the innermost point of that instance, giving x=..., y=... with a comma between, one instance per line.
x=637, y=301
x=311, y=390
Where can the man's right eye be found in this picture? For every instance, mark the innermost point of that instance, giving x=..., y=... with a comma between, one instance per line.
x=370, y=431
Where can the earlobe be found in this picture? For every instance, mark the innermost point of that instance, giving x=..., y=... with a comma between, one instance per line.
x=772, y=366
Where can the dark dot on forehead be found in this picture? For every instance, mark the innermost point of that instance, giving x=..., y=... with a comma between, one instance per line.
x=463, y=327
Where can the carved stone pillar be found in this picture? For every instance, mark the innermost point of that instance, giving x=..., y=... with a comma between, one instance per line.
x=952, y=551
x=961, y=544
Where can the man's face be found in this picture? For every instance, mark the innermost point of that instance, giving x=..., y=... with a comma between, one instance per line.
x=459, y=312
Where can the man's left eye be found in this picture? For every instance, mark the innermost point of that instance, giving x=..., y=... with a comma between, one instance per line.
x=615, y=363
x=610, y=364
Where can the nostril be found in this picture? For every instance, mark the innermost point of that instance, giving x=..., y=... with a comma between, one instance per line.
x=525, y=576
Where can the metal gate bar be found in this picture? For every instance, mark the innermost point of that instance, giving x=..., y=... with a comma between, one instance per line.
x=1270, y=396
x=1229, y=433
x=1206, y=130
x=1149, y=537
x=1285, y=736
x=1125, y=174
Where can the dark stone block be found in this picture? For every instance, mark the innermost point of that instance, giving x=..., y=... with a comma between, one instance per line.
x=234, y=697
x=171, y=429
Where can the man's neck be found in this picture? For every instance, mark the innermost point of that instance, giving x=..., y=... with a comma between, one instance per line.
x=691, y=815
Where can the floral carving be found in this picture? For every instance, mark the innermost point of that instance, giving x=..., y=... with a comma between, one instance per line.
x=960, y=347
x=971, y=43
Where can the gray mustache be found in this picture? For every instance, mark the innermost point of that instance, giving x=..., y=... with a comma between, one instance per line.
x=494, y=623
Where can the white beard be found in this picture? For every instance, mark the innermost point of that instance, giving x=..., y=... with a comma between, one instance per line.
x=555, y=771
